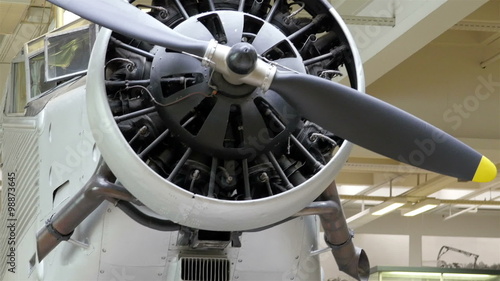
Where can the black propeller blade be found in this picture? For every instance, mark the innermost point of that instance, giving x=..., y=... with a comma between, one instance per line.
x=381, y=127
x=352, y=115
x=120, y=16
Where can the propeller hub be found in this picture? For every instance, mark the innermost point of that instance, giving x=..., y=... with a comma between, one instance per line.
x=242, y=58
x=215, y=112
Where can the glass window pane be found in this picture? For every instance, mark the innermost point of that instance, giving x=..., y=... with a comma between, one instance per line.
x=68, y=54
x=18, y=98
x=37, y=76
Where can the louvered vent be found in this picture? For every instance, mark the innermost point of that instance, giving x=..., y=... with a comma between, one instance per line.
x=205, y=269
x=21, y=160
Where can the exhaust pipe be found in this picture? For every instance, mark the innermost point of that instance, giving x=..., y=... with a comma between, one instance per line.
x=100, y=187
x=351, y=260
x=61, y=225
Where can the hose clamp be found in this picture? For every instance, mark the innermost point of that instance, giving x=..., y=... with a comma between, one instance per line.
x=58, y=235
x=338, y=246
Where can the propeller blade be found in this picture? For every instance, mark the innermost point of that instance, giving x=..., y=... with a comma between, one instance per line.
x=124, y=18
x=381, y=127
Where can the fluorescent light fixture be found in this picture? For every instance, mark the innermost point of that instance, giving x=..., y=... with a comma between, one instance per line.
x=373, y=213
x=421, y=207
x=420, y=210
x=388, y=206
x=387, y=209
x=436, y=275
x=413, y=274
x=466, y=276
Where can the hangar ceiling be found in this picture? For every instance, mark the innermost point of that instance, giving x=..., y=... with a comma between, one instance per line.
x=426, y=57
x=441, y=64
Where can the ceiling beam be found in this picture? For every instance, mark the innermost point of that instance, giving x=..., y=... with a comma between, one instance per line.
x=349, y=7
x=382, y=168
x=491, y=39
x=417, y=24
x=24, y=2
x=381, y=21
x=431, y=186
x=415, y=199
x=477, y=25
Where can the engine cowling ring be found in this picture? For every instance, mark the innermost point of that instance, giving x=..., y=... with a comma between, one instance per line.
x=178, y=204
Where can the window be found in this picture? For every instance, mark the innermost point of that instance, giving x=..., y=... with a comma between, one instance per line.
x=67, y=53
x=17, y=97
x=38, y=85
x=48, y=61
x=35, y=61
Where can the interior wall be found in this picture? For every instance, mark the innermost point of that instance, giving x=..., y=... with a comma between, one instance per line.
x=395, y=240
x=444, y=84
x=467, y=225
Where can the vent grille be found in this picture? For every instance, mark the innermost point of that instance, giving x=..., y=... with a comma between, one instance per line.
x=21, y=158
x=205, y=269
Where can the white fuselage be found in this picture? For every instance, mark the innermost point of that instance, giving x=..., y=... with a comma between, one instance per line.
x=53, y=154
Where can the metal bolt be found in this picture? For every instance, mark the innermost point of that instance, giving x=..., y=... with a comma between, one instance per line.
x=103, y=250
x=263, y=177
x=163, y=14
x=101, y=271
x=196, y=174
x=143, y=130
x=163, y=258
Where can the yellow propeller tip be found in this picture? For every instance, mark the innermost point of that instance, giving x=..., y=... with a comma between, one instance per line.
x=486, y=171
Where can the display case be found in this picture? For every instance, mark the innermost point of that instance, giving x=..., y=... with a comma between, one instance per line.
x=387, y=273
